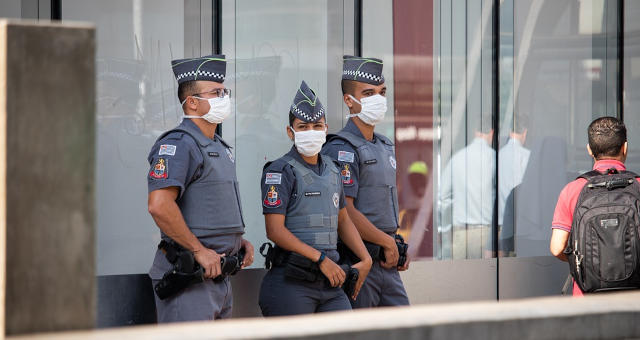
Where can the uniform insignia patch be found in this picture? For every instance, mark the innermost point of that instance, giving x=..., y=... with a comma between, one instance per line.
x=392, y=160
x=336, y=199
x=345, y=174
x=230, y=155
x=272, y=178
x=345, y=156
x=272, y=200
x=167, y=149
x=160, y=169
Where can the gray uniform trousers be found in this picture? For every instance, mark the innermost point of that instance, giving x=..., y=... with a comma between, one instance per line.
x=383, y=287
x=280, y=296
x=207, y=300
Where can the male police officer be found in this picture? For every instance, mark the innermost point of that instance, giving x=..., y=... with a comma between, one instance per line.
x=304, y=214
x=368, y=172
x=193, y=193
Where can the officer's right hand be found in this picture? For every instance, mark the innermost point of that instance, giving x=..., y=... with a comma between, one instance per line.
x=390, y=253
x=210, y=262
x=333, y=272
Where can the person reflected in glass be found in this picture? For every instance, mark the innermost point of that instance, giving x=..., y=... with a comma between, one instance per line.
x=468, y=190
x=417, y=178
x=513, y=158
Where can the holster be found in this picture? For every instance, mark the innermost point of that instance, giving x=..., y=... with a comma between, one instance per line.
x=185, y=272
x=402, y=250
x=230, y=265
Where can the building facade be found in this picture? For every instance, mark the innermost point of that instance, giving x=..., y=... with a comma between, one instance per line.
x=489, y=104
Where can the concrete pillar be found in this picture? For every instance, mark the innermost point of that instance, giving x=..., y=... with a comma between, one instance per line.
x=47, y=123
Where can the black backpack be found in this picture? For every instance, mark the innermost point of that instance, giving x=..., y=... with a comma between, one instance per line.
x=603, y=248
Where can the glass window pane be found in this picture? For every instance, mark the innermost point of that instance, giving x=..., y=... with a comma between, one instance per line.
x=275, y=45
x=136, y=101
x=466, y=159
x=562, y=80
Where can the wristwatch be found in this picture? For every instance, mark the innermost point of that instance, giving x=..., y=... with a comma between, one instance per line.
x=322, y=257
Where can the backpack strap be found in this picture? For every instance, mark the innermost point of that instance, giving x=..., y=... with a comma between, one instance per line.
x=593, y=173
x=590, y=174
x=630, y=173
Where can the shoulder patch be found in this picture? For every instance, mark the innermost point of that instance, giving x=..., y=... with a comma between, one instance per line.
x=345, y=174
x=345, y=156
x=159, y=169
x=167, y=149
x=272, y=178
x=271, y=199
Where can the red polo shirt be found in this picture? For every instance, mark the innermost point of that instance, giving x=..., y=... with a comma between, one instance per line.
x=563, y=216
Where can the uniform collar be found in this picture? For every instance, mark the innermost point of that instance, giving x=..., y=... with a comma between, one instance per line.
x=605, y=164
x=293, y=153
x=352, y=128
x=203, y=140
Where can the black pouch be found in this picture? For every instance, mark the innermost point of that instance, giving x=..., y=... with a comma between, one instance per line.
x=301, y=268
x=349, y=257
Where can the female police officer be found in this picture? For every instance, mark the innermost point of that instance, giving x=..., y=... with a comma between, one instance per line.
x=304, y=210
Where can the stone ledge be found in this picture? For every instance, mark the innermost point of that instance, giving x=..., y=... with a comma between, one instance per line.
x=611, y=316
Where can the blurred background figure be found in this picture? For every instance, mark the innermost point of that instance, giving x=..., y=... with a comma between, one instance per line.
x=417, y=179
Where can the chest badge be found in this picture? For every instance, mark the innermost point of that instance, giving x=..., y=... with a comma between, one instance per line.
x=159, y=169
x=346, y=175
x=271, y=200
x=392, y=160
x=336, y=199
x=230, y=155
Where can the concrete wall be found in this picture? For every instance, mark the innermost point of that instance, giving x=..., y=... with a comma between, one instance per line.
x=605, y=316
x=49, y=96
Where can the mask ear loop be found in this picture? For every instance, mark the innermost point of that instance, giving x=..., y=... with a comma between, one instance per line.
x=351, y=115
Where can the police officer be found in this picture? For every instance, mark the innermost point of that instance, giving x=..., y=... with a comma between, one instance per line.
x=368, y=172
x=193, y=193
x=303, y=207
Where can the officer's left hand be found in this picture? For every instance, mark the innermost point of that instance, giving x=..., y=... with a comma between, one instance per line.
x=406, y=264
x=363, y=268
x=248, y=256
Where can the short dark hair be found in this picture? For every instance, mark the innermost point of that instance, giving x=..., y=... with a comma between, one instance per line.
x=348, y=86
x=188, y=88
x=291, y=118
x=607, y=135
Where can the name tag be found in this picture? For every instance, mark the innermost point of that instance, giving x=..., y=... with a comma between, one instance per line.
x=371, y=161
x=214, y=154
x=312, y=193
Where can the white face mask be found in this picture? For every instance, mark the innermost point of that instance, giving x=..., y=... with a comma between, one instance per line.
x=372, y=110
x=219, y=109
x=309, y=142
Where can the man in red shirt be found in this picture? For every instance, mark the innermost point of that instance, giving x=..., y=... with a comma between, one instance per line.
x=608, y=147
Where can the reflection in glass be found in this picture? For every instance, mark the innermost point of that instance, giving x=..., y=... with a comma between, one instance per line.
x=466, y=160
x=136, y=101
x=274, y=46
x=556, y=68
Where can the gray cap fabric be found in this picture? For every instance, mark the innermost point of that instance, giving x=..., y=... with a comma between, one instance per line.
x=366, y=70
x=211, y=67
x=306, y=105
